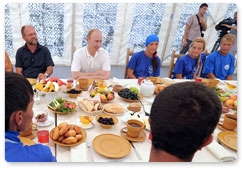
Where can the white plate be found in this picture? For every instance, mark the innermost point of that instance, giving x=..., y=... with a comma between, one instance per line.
x=49, y=121
x=144, y=118
x=84, y=126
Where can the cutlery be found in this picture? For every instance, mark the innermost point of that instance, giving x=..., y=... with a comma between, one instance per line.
x=146, y=114
x=135, y=150
x=88, y=144
x=87, y=118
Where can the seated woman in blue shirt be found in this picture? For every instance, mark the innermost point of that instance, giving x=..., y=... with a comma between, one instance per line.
x=18, y=117
x=186, y=66
x=145, y=63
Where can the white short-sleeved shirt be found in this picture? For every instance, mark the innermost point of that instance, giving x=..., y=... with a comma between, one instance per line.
x=84, y=62
x=194, y=30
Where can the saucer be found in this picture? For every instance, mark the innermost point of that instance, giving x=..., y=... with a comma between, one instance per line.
x=141, y=137
x=32, y=135
x=220, y=126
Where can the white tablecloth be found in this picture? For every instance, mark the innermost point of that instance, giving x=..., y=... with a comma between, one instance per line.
x=80, y=153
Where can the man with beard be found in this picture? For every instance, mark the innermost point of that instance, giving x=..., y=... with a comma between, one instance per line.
x=33, y=60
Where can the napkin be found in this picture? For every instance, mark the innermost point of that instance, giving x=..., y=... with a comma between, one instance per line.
x=79, y=153
x=219, y=152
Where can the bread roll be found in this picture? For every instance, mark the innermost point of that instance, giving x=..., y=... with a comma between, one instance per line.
x=69, y=140
x=134, y=107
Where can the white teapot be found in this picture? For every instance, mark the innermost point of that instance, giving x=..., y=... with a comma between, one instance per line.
x=147, y=88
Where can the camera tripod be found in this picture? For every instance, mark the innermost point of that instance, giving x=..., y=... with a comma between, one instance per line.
x=217, y=43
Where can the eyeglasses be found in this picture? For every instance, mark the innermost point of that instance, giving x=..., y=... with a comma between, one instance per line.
x=32, y=34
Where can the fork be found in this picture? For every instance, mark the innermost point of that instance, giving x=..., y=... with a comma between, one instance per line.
x=88, y=144
x=146, y=114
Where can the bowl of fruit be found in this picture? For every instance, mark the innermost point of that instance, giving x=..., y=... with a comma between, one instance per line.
x=74, y=93
x=130, y=94
x=106, y=95
x=106, y=121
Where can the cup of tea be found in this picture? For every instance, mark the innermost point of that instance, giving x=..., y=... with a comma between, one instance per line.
x=83, y=83
x=230, y=121
x=134, y=127
x=33, y=126
x=43, y=136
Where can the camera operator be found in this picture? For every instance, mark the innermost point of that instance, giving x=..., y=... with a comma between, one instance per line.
x=233, y=30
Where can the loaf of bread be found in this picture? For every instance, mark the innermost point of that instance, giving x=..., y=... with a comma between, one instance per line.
x=134, y=107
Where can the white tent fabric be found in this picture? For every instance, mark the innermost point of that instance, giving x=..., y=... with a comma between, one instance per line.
x=73, y=32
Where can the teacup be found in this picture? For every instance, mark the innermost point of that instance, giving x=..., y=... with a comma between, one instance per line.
x=33, y=126
x=230, y=121
x=134, y=127
x=83, y=83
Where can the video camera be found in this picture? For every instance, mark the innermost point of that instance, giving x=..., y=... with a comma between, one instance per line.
x=224, y=30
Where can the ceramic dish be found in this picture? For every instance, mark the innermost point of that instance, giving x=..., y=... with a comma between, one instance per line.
x=128, y=100
x=84, y=126
x=229, y=139
x=49, y=121
x=62, y=113
x=113, y=109
x=141, y=137
x=106, y=126
x=70, y=145
x=111, y=146
x=138, y=116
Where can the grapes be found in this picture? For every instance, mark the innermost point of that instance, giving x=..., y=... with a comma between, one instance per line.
x=134, y=90
x=127, y=94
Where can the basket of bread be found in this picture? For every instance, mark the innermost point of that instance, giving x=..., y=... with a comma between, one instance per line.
x=91, y=107
x=67, y=134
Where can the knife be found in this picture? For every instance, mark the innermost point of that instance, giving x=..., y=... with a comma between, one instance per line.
x=135, y=150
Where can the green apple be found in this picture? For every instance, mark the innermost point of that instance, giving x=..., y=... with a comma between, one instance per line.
x=222, y=98
x=92, y=93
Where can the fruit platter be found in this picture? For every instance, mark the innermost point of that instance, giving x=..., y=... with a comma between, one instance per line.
x=130, y=94
x=62, y=106
x=228, y=98
x=106, y=95
x=49, y=85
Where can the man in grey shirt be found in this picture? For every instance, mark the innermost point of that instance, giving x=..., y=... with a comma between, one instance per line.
x=194, y=27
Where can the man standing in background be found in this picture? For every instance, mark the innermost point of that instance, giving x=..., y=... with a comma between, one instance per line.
x=194, y=27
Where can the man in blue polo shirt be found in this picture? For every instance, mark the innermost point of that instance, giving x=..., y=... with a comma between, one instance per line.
x=18, y=117
x=33, y=60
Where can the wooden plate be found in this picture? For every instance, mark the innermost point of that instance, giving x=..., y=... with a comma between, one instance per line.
x=62, y=113
x=128, y=100
x=113, y=108
x=26, y=141
x=31, y=80
x=229, y=139
x=70, y=145
x=111, y=146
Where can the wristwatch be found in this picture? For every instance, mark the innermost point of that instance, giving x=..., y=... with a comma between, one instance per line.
x=46, y=74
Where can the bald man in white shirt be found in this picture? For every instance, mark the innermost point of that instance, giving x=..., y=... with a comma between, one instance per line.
x=91, y=61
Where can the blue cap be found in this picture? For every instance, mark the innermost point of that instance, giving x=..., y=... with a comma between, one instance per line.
x=152, y=38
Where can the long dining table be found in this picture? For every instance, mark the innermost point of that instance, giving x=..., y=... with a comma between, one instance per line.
x=215, y=152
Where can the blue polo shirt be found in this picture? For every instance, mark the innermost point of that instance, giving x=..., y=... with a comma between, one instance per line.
x=142, y=65
x=221, y=66
x=33, y=63
x=15, y=151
